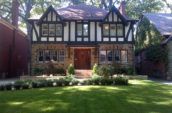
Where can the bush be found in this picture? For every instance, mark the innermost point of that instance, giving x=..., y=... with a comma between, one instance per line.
x=120, y=80
x=8, y=86
x=106, y=81
x=95, y=69
x=38, y=71
x=59, y=71
x=105, y=71
x=71, y=70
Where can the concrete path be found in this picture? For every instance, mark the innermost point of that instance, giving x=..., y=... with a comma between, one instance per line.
x=7, y=81
x=161, y=81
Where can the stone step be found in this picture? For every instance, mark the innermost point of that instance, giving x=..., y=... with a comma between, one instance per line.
x=83, y=73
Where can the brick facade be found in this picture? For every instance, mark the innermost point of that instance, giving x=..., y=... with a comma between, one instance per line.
x=69, y=53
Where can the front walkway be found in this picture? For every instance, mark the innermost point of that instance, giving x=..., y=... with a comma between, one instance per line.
x=7, y=81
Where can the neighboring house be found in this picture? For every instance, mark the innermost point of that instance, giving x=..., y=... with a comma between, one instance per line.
x=14, y=51
x=163, y=24
x=82, y=35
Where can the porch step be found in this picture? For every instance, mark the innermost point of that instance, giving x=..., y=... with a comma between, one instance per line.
x=83, y=73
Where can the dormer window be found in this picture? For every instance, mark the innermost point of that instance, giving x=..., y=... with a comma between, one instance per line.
x=120, y=30
x=52, y=30
x=112, y=30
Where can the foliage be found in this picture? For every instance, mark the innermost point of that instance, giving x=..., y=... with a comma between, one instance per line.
x=38, y=70
x=105, y=71
x=146, y=35
x=107, y=81
x=95, y=69
x=135, y=8
x=71, y=70
x=157, y=53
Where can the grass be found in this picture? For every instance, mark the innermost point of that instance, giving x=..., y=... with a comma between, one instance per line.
x=142, y=96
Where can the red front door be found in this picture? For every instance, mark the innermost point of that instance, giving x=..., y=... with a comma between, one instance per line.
x=82, y=58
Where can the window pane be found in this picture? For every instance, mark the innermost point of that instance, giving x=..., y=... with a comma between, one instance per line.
x=52, y=29
x=47, y=55
x=113, y=30
x=53, y=55
x=124, y=56
x=117, y=55
x=59, y=29
x=79, y=29
x=105, y=29
x=119, y=29
x=85, y=27
x=40, y=55
x=102, y=56
x=109, y=56
x=45, y=29
x=61, y=55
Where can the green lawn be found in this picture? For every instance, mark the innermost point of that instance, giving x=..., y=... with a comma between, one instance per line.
x=139, y=97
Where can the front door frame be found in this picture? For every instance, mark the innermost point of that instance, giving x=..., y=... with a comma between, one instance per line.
x=88, y=49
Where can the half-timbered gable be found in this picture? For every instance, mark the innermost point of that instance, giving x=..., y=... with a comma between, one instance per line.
x=102, y=35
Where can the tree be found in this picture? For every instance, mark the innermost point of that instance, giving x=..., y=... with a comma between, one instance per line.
x=135, y=8
x=168, y=4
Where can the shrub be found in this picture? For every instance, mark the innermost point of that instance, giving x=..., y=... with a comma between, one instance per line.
x=59, y=71
x=71, y=70
x=95, y=69
x=120, y=80
x=106, y=81
x=8, y=86
x=2, y=87
x=38, y=70
x=104, y=71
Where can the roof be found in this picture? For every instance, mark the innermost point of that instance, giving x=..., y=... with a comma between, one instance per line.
x=162, y=21
x=82, y=11
x=10, y=26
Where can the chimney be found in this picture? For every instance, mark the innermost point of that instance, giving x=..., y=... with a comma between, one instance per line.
x=122, y=8
x=15, y=12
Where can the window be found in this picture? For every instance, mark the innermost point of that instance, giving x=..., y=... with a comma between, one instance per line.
x=79, y=29
x=51, y=29
x=119, y=30
x=47, y=55
x=45, y=29
x=113, y=30
x=58, y=29
x=108, y=56
x=53, y=55
x=40, y=58
x=82, y=29
x=102, y=56
x=123, y=56
x=105, y=29
x=85, y=29
x=117, y=55
x=61, y=55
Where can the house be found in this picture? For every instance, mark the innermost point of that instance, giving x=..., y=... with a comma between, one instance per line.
x=160, y=32
x=82, y=35
x=14, y=48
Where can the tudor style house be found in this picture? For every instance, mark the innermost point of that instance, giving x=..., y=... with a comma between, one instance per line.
x=82, y=35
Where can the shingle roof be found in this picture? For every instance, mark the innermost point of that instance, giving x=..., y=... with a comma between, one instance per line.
x=163, y=22
x=82, y=11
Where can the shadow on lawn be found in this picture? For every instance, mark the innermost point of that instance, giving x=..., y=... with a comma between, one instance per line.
x=139, y=97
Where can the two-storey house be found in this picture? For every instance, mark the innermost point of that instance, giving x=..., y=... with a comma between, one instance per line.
x=82, y=35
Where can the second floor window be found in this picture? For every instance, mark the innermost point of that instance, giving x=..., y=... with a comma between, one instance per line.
x=112, y=30
x=82, y=29
x=51, y=29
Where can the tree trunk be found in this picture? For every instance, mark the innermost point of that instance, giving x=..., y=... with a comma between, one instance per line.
x=15, y=12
